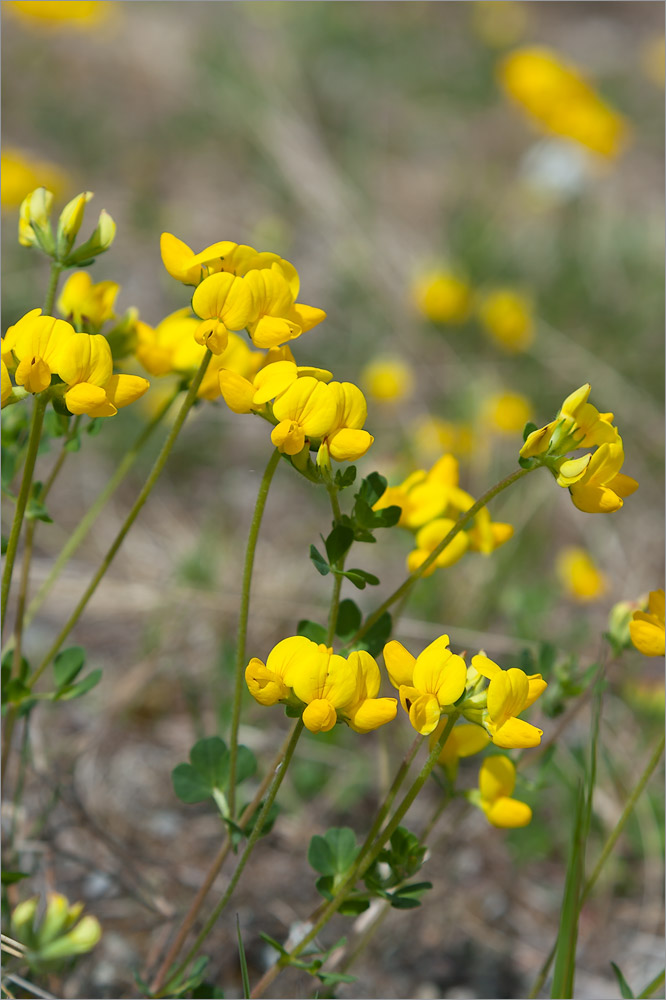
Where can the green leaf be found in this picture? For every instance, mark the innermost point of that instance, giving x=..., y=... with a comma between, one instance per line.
x=311, y=630
x=625, y=989
x=404, y=902
x=359, y=577
x=349, y=618
x=74, y=444
x=68, y=664
x=56, y=424
x=189, y=785
x=331, y=978
x=209, y=758
x=372, y=488
x=387, y=516
x=320, y=563
x=70, y=691
x=345, y=478
x=338, y=543
x=334, y=853
x=273, y=943
x=95, y=426
x=205, y=991
x=36, y=511
x=324, y=886
x=9, y=878
x=245, y=977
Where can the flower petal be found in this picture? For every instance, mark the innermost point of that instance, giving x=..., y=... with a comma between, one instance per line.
x=399, y=663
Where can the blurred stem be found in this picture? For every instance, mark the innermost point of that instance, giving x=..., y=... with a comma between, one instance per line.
x=243, y=616
x=91, y=515
x=207, y=884
x=254, y=836
x=605, y=853
x=653, y=986
x=463, y=520
x=363, y=862
x=22, y=499
x=20, y=781
x=391, y=794
x=154, y=475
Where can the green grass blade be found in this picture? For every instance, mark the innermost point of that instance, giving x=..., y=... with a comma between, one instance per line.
x=625, y=989
x=653, y=986
x=565, y=952
x=243, y=962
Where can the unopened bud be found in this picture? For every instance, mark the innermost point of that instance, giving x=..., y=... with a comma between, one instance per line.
x=101, y=240
x=70, y=221
x=79, y=940
x=34, y=221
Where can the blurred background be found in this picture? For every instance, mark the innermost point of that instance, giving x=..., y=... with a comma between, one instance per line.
x=477, y=263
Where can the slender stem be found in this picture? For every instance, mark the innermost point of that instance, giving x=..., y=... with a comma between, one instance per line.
x=254, y=836
x=54, y=277
x=91, y=515
x=337, y=577
x=464, y=519
x=154, y=475
x=391, y=794
x=197, y=902
x=22, y=500
x=605, y=853
x=243, y=616
x=362, y=862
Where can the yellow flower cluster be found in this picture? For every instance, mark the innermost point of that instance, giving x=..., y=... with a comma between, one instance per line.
x=558, y=99
x=506, y=314
x=579, y=576
x=431, y=502
x=322, y=686
x=431, y=684
x=239, y=288
x=594, y=480
x=38, y=347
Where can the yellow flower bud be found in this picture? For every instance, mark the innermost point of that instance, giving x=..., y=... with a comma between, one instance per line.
x=70, y=221
x=34, y=220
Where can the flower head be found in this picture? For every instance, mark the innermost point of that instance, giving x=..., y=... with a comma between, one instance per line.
x=223, y=302
x=85, y=364
x=647, y=627
x=307, y=409
x=510, y=692
x=345, y=440
x=427, y=684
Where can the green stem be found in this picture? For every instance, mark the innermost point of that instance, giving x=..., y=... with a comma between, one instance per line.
x=243, y=617
x=337, y=578
x=254, y=836
x=362, y=863
x=605, y=853
x=154, y=475
x=22, y=499
x=91, y=515
x=463, y=520
x=391, y=794
x=54, y=277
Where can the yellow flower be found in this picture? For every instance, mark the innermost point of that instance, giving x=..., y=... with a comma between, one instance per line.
x=432, y=436
x=506, y=412
x=177, y=258
x=86, y=304
x=507, y=317
x=442, y=297
x=345, y=441
x=510, y=692
x=464, y=740
x=70, y=221
x=267, y=682
x=224, y=303
x=7, y=387
x=602, y=487
x=307, y=409
x=276, y=316
x=248, y=393
x=85, y=364
x=485, y=535
x=388, y=379
x=426, y=495
x=561, y=101
x=327, y=687
x=22, y=173
x=428, y=538
x=579, y=576
x=79, y=13
x=427, y=684
x=497, y=780
x=36, y=341
x=647, y=628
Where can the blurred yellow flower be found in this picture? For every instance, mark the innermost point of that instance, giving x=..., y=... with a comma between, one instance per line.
x=579, y=576
x=560, y=100
x=499, y=22
x=85, y=304
x=647, y=628
x=388, y=379
x=79, y=13
x=22, y=173
x=497, y=779
x=7, y=387
x=464, y=740
x=506, y=412
x=646, y=695
x=507, y=317
x=431, y=436
x=442, y=297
